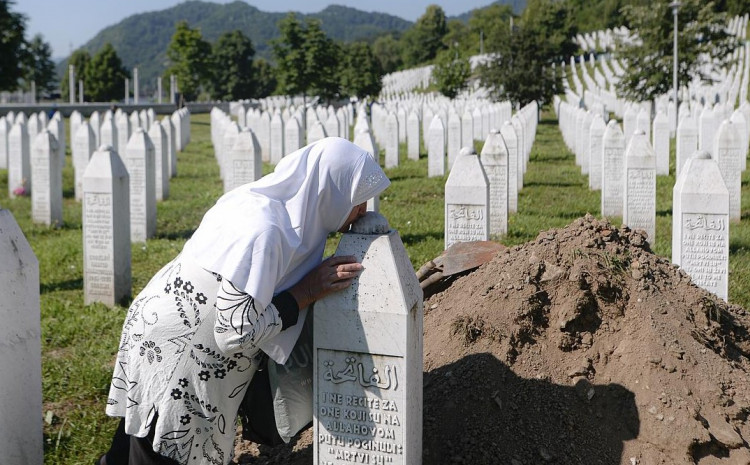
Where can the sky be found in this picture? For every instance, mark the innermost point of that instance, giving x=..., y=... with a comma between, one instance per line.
x=68, y=24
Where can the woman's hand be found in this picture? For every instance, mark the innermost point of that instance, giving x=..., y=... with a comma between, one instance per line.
x=333, y=274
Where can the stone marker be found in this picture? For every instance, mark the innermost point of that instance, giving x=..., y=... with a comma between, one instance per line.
x=639, y=196
x=686, y=142
x=412, y=136
x=700, y=224
x=368, y=356
x=613, y=161
x=315, y=132
x=108, y=135
x=106, y=229
x=467, y=131
x=46, y=196
x=19, y=164
x=161, y=160
x=391, y=140
x=83, y=147
x=139, y=160
x=467, y=200
x=494, y=158
x=293, y=139
x=454, y=137
x=511, y=143
x=728, y=154
x=95, y=123
x=124, y=131
x=738, y=118
x=243, y=162
x=332, y=125
x=365, y=141
x=4, y=130
x=707, y=130
x=277, y=137
x=168, y=126
x=57, y=127
x=596, y=135
x=21, y=355
x=643, y=122
x=660, y=135
x=436, y=148
x=227, y=140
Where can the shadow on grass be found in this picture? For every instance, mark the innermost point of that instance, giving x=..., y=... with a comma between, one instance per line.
x=415, y=238
x=184, y=234
x=69, y=285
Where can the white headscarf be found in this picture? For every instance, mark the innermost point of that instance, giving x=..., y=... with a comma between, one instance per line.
x=265, y=236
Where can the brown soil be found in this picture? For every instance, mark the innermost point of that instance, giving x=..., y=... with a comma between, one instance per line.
x=581, y=347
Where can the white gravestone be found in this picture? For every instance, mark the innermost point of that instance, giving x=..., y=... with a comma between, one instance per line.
x=412, y=136
x=494, y=158
x=57, y=127
x=161, y=160
x=391, y=140
x=643, y=123
x=613, y=160
x=46, y=196
x=467, y=201
x=139, y=160
x=106, y=229
x=227, y=141
x=4, y=129
x=21, y=354
x=364, y=140
x=454, y=137
x=124, y=131
x=333, y=128
x=728, y=154
x=660, y=135
x=368, y=356
x=83, y=147
x=292, y=135
x=584, y=135
x=19, y=155
x=108, y=135
x=315, y=132
x=686, y=143
x=639, y=196
x=168, y=126
x=436, y=148
x=706, y=130
x=596, y=135
x=700, y=224
x=95, y=123
x=738, y=118
x=467, y=131
x=243, y=163
x=277, y=138
x=514, y=166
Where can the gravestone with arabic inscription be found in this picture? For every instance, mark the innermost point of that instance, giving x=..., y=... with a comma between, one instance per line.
x=368, y=356
x=106, y=229
x=21, y=355
x=467, y=200
x=700, y=224
x=639, y=195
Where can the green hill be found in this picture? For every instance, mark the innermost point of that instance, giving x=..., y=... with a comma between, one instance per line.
x=141, y=40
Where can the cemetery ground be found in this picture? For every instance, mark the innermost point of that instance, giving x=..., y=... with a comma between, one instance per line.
x=79, y=342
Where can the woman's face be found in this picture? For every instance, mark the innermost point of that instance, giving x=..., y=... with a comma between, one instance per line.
x=356, y=213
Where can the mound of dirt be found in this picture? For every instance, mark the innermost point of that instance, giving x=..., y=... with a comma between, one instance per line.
x=581, y=347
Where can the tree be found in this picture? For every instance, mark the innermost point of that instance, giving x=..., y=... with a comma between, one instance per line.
x=105, y=76
x=492, y=24
x=189, y=60
x=704, y=46
x=12, y=50
x=232, y=58
x=79, y=60
x=265, y=78
x=521, y=69
x=387, y=50
x=362, y=73
x=422, y=42
x=451, y=73
x=38, y=66
x=307, y=61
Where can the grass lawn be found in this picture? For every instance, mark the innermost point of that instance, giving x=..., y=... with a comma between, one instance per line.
x=79, y=342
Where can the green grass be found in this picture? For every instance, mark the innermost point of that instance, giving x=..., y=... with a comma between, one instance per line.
x=79, y=342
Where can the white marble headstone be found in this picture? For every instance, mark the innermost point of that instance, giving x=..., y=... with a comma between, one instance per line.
x=467, y=200
x=277, y=138
x=161, y=160
x=514, y=166
x=83, y=147
x=19, y=160
x=293, y=139
x=139, y=160
x=639, y=196
x=700, y=224
x=661, y=143
x=412, y=135
x=436, y=148
x=728, y=153
x=596, y=136
x=106, y=229
x=494, y=158
x=613, y=162
x=46, y=196
x=243, y=163
x=391, y=140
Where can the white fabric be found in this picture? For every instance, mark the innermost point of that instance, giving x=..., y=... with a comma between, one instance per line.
x=265, y=236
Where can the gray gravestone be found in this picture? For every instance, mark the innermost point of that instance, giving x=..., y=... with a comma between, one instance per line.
x=511, y=143
x=613, y=160
x=83, y=147
x=391, y=140
x=106, y=229
x=139, y=160
x=596, y=136
x=467, y=200
x=700, y=224
x=368, y=356
x=639, y=196
x=21, y=355
x=46, y=196
x=494, y=158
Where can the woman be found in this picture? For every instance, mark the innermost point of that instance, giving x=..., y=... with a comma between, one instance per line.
x=193, y=338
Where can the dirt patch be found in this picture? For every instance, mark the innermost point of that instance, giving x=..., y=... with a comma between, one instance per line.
x=581, y=347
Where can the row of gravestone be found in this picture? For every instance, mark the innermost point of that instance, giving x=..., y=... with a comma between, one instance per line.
x=705, y=197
